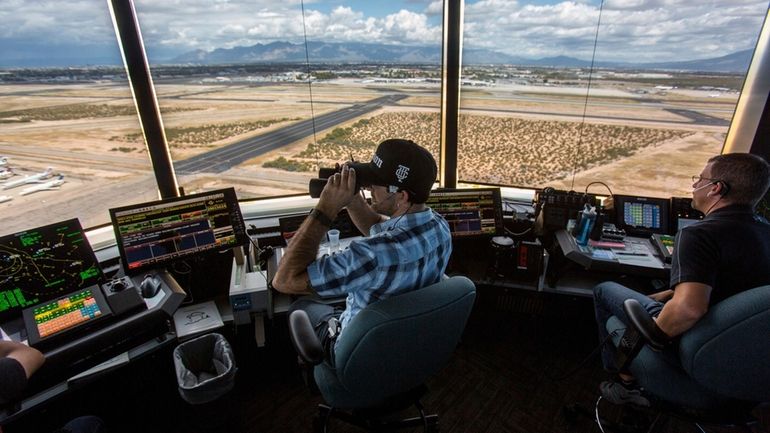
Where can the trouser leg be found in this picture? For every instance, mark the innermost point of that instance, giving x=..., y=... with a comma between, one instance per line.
x=319, y=315
x=608, y=301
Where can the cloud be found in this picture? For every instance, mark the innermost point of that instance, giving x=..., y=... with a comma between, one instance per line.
x=631, y=30
x=638, y=30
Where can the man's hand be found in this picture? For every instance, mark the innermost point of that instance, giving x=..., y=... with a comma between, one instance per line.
x=340, y=190
x=689, y=303
x=662, y=296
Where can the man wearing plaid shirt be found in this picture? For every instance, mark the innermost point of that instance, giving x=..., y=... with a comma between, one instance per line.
x=407, y=248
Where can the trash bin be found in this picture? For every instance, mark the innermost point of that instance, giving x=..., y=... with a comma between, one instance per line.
x=205, y=368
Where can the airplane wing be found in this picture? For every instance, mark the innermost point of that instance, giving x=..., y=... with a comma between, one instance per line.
x=48, y=186
x=5, y=198
x=33, y=178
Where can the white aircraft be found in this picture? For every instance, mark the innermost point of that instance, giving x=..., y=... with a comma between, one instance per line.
x=3, y=161
x=5, y=173
x=33, y=178
x=47, y=186
x=5, y=198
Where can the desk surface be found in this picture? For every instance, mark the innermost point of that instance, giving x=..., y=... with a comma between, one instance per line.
x=279, y=302
x=136, y=332
x=639, y=257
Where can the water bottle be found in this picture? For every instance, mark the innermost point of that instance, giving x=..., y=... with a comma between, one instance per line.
x=587, y=220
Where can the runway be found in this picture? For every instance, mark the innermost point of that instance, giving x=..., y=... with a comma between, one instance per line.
x=229, y=156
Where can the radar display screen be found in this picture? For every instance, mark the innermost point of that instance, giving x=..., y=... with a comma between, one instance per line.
x=154, y=234
x=44, y=263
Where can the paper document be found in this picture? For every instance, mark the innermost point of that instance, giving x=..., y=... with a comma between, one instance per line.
x=195, y=319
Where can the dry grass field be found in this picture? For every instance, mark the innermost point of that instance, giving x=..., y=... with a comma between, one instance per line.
x=500, y=150
x=90, y=133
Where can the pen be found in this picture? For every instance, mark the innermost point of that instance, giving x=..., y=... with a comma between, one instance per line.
x=632, y=254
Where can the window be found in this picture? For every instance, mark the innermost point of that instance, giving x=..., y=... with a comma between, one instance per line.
x=65, y=104
x=249, y=101
x=663, y=88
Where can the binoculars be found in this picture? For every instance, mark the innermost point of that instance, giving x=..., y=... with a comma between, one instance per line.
x=364, y=177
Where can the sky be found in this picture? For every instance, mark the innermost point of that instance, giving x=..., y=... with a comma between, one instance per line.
x=630, y=30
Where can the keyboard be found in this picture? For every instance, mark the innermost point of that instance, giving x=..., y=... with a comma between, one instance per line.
x=54, y=317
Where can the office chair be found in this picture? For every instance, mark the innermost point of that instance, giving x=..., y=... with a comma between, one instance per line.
x=385, y=355
x=719, y=373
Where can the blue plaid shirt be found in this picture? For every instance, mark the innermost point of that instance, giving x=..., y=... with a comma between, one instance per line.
x=399, y=255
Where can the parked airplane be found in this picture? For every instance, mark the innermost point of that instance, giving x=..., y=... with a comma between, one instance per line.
x=33, y=178
x=6, y=172
x=5, y=198
x=3, y=161
x=50, y=185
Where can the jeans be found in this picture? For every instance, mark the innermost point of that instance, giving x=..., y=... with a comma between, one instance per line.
x=319, y=315
x=608, y=301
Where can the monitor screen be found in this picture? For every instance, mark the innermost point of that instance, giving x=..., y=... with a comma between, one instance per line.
x=469, y=212
x=44, y=263
x=683, y=214
x=642, y=215
x=154, y=234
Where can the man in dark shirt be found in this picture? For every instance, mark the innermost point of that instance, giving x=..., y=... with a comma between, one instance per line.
x=17, y=363
x=726, y=253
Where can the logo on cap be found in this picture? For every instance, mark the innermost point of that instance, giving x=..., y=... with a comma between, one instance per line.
x=377, y=160
x=402, y=172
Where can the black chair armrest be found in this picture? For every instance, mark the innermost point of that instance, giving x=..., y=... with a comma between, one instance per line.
x=641, y=320
x=304, y=338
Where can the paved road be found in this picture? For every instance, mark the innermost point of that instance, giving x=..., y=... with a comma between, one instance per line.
x=221, y=159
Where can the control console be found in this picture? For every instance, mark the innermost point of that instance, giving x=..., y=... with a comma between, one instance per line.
x=122, y=295
x=612, y=233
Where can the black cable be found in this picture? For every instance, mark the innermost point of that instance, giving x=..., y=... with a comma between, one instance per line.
x=310, y=82
x=588, y=90
x=599, y=183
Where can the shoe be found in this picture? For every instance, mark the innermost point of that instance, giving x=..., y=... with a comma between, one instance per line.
x=617, y=393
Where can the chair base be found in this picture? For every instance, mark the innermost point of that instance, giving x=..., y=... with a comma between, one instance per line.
x=650, y=420
x=370, y=421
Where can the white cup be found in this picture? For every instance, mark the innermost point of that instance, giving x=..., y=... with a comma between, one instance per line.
x=333, y=236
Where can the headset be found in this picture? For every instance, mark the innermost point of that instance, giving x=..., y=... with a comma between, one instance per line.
x=724, y=187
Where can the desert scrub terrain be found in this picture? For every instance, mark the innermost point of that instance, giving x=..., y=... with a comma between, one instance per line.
x=205, y=135
x=499, y=150
x=73, y=112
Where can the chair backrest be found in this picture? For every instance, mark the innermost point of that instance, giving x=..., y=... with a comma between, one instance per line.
x=728, y=350
x=395, y=344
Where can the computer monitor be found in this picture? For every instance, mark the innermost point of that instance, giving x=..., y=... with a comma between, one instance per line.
x=44, y=263
x=154, y=234
x=472, y=212
x=641, y=216
x=289, y=225
x=683, y=214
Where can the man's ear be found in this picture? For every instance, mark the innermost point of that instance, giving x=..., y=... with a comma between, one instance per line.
x=406, y=197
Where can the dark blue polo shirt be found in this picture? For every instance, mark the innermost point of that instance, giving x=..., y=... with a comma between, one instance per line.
x=728, y=250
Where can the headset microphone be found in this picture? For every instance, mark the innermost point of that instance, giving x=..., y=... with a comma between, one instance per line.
x=705, y=186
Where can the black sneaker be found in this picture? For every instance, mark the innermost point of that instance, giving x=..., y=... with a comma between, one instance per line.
x=617, y=393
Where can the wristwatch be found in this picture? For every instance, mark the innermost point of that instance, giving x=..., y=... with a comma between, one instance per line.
x=323, y=219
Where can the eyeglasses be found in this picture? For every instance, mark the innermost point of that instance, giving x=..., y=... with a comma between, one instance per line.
x=698, y=178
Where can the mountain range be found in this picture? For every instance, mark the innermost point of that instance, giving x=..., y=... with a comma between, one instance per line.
x=331, y=52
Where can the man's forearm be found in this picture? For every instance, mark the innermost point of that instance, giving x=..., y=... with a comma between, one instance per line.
x=676, y=318
x=362, y=215
x=291, y=276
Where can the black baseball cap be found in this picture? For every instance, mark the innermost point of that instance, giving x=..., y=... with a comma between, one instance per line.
x=402, y=164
